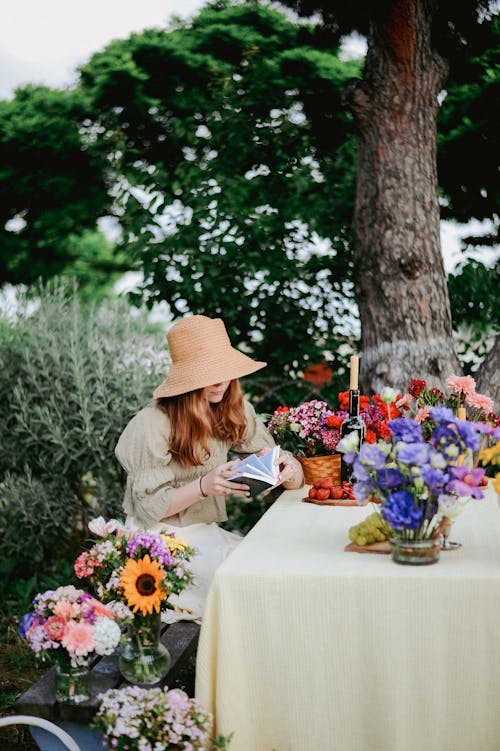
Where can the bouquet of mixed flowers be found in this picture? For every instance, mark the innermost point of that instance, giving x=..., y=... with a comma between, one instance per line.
x=140, y=719
x=418, y=479
x=462, y=393
x=69, y=626
x=138, y=569
x=313, y=428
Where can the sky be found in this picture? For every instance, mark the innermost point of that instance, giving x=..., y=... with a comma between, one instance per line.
x=44, y=42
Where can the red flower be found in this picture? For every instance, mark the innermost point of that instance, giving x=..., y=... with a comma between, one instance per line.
x=416, y=387
x=278, y=410
x=364, y=401
x=333, y=421
x=319, y=374
x=371, y=436
x=344, y=400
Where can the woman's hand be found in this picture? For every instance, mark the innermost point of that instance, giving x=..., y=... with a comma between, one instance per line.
x=291, y=475
x=216, y=481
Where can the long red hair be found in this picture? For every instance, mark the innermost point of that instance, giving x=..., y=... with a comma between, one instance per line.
x=194, y=422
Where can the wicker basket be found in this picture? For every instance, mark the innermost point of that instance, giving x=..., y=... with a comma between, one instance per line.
x=319, y=467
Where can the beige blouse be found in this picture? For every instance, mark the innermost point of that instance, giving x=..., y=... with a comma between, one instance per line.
x=152, y=472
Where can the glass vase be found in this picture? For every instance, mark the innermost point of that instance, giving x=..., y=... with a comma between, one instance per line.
x=415, y=552
x=144, y=660
x=72, y=684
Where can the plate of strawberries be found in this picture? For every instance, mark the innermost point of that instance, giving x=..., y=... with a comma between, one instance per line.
x=325, y=492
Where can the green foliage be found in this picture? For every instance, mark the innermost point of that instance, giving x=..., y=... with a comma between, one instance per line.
x=475, y=306
x=238, y=158
x=51, y=183
x=468, y=133
x=71, y=376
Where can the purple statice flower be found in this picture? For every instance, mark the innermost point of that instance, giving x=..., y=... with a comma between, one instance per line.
x=406, y=429
x=390, y=478
x=413, y=453
x=465, y=482
x=151, y=542
x=400, y=511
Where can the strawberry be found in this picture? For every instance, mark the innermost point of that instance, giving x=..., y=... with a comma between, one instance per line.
x=323, y=494
x=313, y=493
x=327, y=482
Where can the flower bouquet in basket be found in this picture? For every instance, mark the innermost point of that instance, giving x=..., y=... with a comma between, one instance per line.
x=312, y=431
x=140, y=570
x=69, y=627
x=419, y=480
x=139, y=719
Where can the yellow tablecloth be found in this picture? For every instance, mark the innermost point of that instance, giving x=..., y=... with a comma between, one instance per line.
x=305, y=647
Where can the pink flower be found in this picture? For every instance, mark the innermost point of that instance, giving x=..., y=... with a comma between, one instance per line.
x=480, y=401
x=54, y=627
x=84, y=565
x=423, y=413
x=465, y=384
x=404, y=400
x=66, y=609
x=100, y=609
x=78, y=638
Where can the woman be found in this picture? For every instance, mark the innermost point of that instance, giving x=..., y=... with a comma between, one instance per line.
x=175, y=450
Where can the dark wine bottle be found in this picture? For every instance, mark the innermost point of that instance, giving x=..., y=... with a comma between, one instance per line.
x=352, y=424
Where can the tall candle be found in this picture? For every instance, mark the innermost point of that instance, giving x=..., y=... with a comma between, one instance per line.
x=461, y=413
x=353, y=384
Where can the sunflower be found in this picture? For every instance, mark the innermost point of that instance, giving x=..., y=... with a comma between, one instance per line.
x=141, y=582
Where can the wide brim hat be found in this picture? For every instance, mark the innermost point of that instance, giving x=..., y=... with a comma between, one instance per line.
x=202, y=356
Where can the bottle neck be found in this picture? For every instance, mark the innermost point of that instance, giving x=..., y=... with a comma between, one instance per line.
x=353, y=402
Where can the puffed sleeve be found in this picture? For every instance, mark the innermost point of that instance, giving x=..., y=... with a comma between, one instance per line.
x=256, y=436
x=142, y=450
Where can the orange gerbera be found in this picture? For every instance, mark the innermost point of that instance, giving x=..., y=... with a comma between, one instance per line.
x=141, y=582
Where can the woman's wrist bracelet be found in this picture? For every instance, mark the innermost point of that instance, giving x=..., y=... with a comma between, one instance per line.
x=202, y=492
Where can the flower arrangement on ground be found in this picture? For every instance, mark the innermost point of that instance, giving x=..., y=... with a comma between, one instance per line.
x=138, y=569
x=138, y=719
x=313, y=428
x=462, y=393
x=418, y=480
x=69, y=626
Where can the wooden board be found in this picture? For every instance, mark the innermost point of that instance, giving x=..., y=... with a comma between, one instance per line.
x=331, y=502
x=375, y=547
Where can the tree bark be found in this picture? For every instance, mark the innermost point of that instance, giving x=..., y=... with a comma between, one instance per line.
x=398, y=267
x=488, y=381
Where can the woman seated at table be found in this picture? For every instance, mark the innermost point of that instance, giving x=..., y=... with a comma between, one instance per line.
x=175, y=451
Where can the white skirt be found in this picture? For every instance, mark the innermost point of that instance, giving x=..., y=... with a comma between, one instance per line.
x=212, y=545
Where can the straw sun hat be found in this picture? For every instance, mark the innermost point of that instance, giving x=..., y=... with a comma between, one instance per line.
x=202, y=355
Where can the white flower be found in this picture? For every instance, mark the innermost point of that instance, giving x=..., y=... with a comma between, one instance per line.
x=388, y=395
x=349, y=443
x=107, y=635
x=451, y=505
x=100, y=527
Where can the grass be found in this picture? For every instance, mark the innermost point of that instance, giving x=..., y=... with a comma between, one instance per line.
x=18, y=670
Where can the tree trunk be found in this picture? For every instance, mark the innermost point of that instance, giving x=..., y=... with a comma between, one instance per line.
x=399, y=273
x=488, y=381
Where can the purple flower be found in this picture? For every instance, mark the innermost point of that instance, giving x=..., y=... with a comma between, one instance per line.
x=25, y=625
x=400, y=511
x=372, y=456
x=469, y=434
x=151, y=542
x=435, y=479
x=406, y=429
x=443, y=415
x=390, y=478
x=363, y=489
x=466, y=482
x=414, y=453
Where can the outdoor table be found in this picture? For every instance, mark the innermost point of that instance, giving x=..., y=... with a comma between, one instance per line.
x=305, y=646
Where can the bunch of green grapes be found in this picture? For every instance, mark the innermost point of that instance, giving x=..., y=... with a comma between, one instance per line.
x=372, y=529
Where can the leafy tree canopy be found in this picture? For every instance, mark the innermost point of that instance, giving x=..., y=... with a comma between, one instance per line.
x=232, y=155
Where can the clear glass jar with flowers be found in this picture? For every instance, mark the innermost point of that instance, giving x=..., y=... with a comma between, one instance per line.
x=68, y=627
x=418, y=479
x=139, y=570
x=150, y=719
